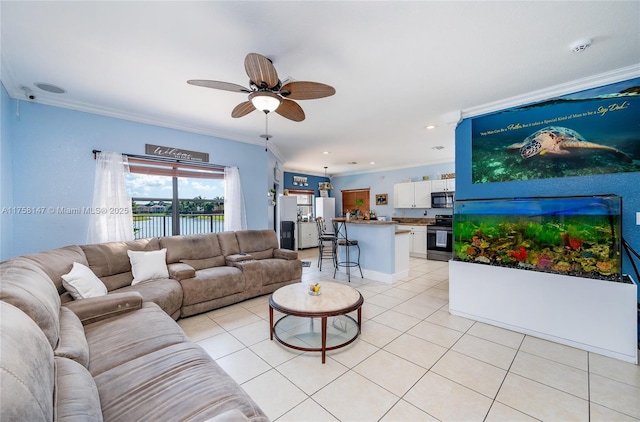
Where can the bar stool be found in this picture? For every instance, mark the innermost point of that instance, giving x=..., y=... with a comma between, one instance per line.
x=326, y=243
x=342, y=240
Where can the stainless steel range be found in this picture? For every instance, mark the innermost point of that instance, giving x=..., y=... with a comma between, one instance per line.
x=440, y=238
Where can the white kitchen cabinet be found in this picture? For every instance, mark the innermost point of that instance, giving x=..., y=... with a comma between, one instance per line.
x=403, y=194
x=417, y=240
x=307, y=235
x=412, y=194
x=443, y=185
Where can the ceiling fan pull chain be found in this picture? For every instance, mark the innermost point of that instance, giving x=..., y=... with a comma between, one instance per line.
x=266, y=131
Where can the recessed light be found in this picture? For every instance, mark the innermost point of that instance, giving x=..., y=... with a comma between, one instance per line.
x=372, y=162
x=429, y=127
x=50, y=88
x=439, y=147
x=352, y=162
x=325, y=152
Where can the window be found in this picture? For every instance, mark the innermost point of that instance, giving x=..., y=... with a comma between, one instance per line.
x=175, y=198
x=355, y=199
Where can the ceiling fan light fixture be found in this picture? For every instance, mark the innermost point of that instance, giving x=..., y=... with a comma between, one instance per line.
x=265, y=101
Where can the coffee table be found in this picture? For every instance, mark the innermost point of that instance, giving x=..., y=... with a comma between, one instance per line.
x=335, y=302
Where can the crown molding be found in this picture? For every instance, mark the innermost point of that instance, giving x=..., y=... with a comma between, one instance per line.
x=617, y=75
x=14, y=91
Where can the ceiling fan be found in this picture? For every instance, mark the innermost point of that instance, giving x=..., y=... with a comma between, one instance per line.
x=267, y=92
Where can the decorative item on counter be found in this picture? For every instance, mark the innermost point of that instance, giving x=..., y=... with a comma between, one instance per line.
x=448, y=176
x=286, y=192
x=425, y=177
x=314, y=289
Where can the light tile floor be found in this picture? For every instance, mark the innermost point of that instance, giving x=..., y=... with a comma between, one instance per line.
x=415, y=362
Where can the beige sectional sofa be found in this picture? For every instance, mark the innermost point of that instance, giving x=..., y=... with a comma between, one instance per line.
x=121, y=356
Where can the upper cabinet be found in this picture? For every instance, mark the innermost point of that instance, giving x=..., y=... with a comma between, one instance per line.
x=443, y=185
x=412, y=194
x=418, y=194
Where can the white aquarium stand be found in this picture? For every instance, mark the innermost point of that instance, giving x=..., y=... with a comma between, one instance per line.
x=593, y=315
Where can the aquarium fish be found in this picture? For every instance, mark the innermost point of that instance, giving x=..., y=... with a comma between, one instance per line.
x=556, y=140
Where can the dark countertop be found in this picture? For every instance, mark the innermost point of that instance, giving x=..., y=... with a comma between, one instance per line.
x=415, y=221
x=370, y=222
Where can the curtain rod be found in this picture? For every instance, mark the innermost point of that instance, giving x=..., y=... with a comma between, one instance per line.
x=95, y=153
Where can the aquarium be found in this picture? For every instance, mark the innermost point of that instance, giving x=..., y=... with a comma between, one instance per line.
x=578, y=236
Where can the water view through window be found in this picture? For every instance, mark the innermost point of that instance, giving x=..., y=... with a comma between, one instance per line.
x=200, y=205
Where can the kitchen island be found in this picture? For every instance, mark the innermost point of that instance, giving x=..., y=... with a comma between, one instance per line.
x=384, y=251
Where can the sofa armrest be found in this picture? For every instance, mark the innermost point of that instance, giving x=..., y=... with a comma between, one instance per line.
x=285, y=254
x=181, y=271
x=98, y=308
x=239, y=257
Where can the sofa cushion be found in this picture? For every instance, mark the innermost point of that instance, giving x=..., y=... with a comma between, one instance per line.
x=76, y=395
x=258, y=243
x=180, y=271
x=73, y=343
x=82, y=283
x=228, y=243
x=192, y=247
x=110, y=262
x=212, y=283
x=166, y=293
x=148, y=265
x=279, y=270
x=26, y=368
x=57, y=262
x=179, y=382
x=114, y=341
x=200, y=264
x=27, y=287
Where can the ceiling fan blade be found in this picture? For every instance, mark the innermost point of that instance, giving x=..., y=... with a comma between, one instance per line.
x=300, y=90
x=225, y=86
x=260, y=71
x=291, y=110
x=242, y=109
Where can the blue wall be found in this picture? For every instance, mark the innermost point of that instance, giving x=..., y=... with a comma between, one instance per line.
x=312, y=181
x=6, y=189
x=50, y=150
x=626, y=185
x=383, y=181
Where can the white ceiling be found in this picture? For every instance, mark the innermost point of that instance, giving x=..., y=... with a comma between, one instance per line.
x=397, y=66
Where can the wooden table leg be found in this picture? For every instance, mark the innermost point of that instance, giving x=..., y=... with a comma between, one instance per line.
x=270, y=322
x=359, y=319
x=324, y=338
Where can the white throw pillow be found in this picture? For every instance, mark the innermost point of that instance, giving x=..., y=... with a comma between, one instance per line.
x=82, y=283
x=147, y=266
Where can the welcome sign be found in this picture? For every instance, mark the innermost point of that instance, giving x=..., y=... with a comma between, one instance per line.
x=176, y=153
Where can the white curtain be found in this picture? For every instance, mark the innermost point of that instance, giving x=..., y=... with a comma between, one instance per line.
x=111, y=215
x=235, y=217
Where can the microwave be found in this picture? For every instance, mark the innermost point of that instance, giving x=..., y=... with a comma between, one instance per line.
x=442, y=199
